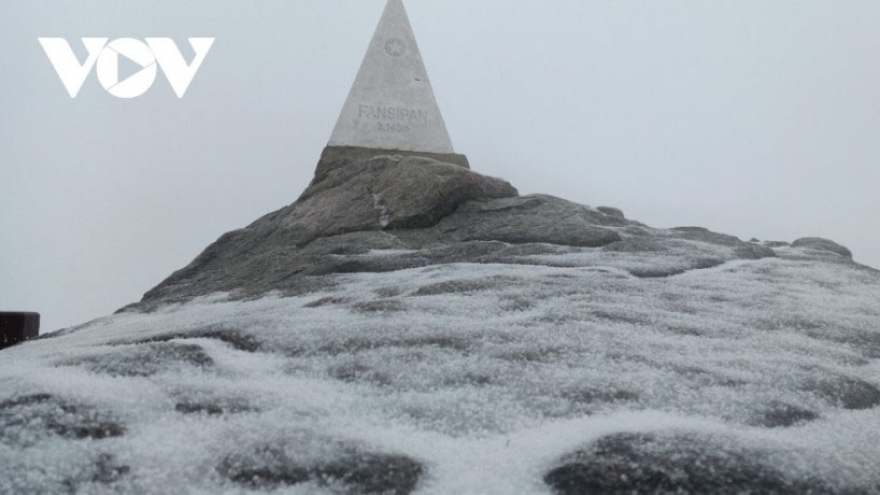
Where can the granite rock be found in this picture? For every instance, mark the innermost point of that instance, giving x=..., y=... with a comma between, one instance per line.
x=820, y=244
x=417, y=211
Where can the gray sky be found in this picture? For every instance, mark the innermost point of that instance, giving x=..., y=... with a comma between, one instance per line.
x=754, y=118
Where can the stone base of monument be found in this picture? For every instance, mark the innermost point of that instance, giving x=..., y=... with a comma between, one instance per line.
x=18, y=327
x=336, y=156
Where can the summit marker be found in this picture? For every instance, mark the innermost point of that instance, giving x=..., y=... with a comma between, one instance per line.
x=391, y=106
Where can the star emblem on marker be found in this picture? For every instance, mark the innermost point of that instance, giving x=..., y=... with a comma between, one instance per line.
x=395, y=47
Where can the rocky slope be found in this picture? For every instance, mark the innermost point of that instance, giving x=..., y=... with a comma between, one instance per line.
x=434, y=213
x=409, y=326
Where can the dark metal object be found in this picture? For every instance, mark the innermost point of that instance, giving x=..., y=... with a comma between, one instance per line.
x=18, y=327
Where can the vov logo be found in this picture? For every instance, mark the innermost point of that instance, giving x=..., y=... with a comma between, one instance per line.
x=156, y=51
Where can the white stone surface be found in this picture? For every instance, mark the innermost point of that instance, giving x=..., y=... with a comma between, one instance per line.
x=392, y=105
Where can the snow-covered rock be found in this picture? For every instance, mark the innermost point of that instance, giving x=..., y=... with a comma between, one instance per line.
x=820, y=244
x=475, y=343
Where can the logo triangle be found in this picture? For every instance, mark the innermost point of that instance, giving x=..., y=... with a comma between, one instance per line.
x=128, y=67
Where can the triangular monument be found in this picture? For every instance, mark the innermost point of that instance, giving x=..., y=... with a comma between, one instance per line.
x=391, y=106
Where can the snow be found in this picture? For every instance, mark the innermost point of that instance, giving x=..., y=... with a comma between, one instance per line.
x=486, y=374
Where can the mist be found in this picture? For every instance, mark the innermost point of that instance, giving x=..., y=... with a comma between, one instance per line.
x=757, y=119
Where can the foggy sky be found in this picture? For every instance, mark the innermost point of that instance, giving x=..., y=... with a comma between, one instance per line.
x=753, y=118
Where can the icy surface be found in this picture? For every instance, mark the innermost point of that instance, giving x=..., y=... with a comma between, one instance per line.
x=466, y=378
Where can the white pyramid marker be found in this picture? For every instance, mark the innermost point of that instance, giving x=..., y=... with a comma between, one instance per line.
x=391, y=105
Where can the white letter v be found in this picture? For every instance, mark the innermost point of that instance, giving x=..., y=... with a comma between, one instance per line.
x=72, y=73
x=172, y=63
